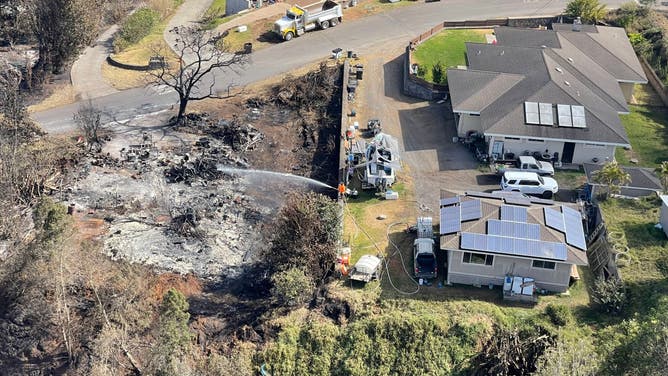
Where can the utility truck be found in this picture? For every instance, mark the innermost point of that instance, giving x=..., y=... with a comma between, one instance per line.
x=298, y=20
x=424, y=258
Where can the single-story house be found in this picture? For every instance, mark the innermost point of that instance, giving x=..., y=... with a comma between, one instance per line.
x=488, y=237
x=643, y=181
x=558, y=90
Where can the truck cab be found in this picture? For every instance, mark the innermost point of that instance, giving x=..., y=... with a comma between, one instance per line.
x=298, y=20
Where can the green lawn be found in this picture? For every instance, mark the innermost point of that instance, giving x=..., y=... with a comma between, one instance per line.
x=646, y=127
x=646, y=269
x=447, y=47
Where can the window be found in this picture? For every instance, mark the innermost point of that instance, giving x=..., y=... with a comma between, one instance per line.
x=512, y=138
x=535, y=140
x=478, y=258
x=544, y=264
x=529, y=182
x=474, y=114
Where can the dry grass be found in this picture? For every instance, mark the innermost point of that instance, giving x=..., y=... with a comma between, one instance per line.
x=61, y=94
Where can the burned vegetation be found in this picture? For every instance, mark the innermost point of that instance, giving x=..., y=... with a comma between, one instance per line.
x=305, y=111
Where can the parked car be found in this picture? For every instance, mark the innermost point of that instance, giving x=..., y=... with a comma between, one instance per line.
x=529, y=183
x=527, y=164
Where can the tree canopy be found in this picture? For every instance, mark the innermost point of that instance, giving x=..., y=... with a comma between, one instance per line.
x=589, y=11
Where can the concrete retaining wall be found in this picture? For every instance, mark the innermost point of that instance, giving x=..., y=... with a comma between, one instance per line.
x=654, y=80
x=142, y=68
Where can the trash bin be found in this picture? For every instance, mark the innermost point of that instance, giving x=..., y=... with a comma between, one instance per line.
x=248, y=48
x=350, y=54
x=360, y=71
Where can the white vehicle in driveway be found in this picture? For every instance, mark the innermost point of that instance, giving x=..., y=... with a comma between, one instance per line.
x=529, y=183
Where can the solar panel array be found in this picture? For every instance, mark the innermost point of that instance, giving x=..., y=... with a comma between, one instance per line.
x=513, y=246
x=450, y=220
x=521, y=201
x=574, y=231
x=513, y=213
x=538, y=113
x=568, y=221
x=513, y=229
x=470, y=210
x=571, y=116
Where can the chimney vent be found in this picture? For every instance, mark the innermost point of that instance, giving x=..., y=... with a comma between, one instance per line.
x=577, y=24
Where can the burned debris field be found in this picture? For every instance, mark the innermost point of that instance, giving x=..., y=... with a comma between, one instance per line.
x=198, y=197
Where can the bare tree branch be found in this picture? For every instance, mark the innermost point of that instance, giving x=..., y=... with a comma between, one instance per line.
x=199, y=54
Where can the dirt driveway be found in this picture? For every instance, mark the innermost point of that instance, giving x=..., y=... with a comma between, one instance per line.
x=424, y=129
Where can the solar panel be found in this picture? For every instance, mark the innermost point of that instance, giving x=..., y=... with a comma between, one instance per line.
x=573, y=225
x=513, y=246
x=564, y=114
x=543, y=201
x=531, y=113
x=471, y=210
x=450, y=222
x=554, y=219
x=513, y=229
x=449, y=201
x=546, y=115
x=513, y=213
x=579, y=120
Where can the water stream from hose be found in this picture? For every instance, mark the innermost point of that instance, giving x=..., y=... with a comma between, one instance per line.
x=274, y=174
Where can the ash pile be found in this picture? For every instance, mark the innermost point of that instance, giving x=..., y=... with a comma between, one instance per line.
x=167, y=203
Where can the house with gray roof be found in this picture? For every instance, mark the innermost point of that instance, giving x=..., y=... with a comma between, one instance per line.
x=490, y=237
x=643, y=181
x=559, y=90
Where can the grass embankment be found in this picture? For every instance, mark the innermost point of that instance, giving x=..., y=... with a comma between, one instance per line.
x=645, y=271
x=646, y=128
x=447, y=48
x=140, y=53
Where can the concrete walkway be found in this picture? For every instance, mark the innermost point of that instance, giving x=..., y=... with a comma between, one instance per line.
x=188, y=13
x=86, y=72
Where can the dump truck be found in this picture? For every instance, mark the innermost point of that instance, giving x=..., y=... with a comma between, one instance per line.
x=528, y=164
x=424, y=258
x=298, y=20
x=366, y=269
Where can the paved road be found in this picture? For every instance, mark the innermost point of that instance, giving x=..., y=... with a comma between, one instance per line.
x=366, y=35
x=87, y=78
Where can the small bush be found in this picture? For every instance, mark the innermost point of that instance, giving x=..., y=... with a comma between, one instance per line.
x=559, y=314
x=609, y=294
x=292, y=287
x=438, y=73
x=135, y=27
x=421, y=71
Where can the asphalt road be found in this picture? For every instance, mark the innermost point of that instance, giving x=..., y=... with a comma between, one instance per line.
x=366, y=35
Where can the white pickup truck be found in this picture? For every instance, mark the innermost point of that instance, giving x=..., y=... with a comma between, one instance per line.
x=527, y=164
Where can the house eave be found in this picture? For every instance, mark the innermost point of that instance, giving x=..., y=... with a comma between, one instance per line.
x=559, y=139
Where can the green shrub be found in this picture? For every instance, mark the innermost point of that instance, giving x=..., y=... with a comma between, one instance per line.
x=438, y=73
x=292, y=286
x=559, y=314
x=421, y=71
x=135, y=27
x=609, y=294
